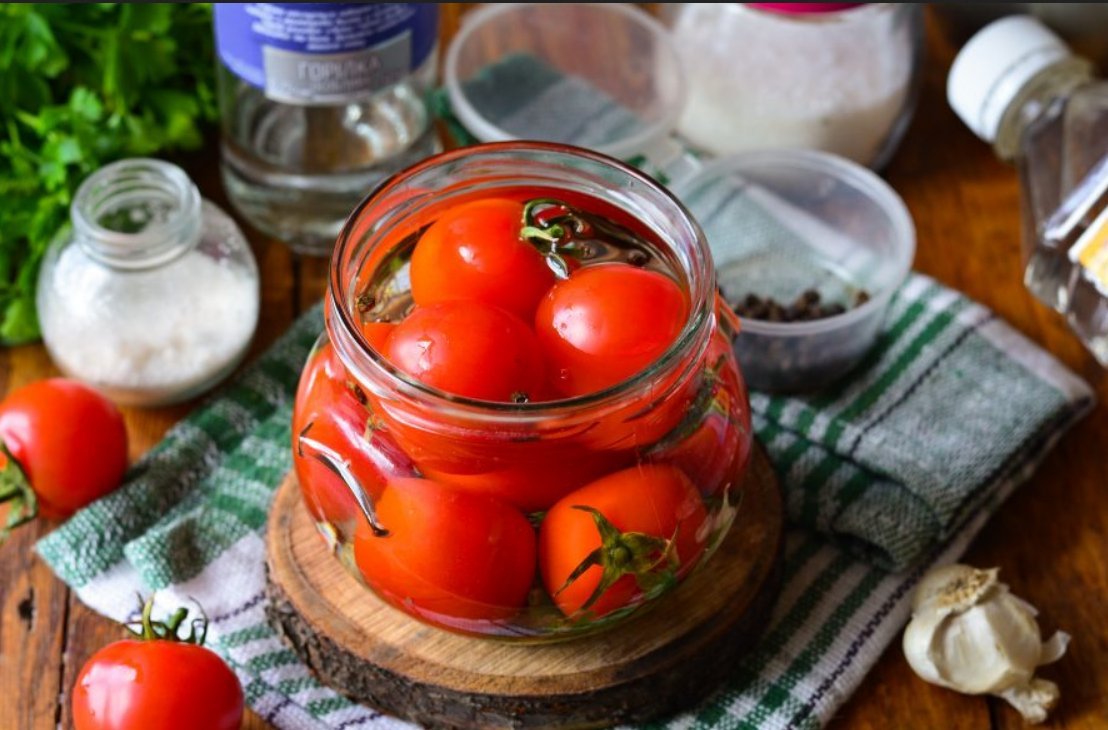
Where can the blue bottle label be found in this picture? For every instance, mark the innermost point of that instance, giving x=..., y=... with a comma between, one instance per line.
x=324, y=53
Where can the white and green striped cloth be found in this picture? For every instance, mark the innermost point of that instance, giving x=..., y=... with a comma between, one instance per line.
x=897, y=468
x=949, y=383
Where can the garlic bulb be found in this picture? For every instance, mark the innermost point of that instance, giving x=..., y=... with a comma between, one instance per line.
x=968, y=633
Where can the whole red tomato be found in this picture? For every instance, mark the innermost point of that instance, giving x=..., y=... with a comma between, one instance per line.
x=69, y=440
x=606, y=323
x=469, y=349
x=602, y=546
x=156, y=683
x=474, y=252
x=447, y=554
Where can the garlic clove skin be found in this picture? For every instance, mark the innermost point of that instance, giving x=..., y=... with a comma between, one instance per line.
x=970, y=634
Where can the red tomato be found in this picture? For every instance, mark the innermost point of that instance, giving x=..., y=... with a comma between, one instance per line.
x=327, y=414
x=377, y=334
x=469, y=349
x=70, y=441
x=715, y=452
x=448, y=554
x=653, y=500
x=474, y=252
x=606, y=323
x=532, y=479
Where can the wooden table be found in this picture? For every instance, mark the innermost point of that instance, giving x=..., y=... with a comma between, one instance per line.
x=1050, y=540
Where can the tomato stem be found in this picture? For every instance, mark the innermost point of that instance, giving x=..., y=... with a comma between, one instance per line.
x=624, y=553
x=147, y=629
x=550, y=225
x=15, y=489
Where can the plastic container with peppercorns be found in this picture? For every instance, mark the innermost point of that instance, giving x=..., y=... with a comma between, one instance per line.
x=809, y=249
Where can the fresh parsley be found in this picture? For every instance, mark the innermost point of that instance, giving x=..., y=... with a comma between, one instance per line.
x=81, y=85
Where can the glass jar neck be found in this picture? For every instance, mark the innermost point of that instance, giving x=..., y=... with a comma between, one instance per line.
x=1036, y=98
x=401, y=207
x=137, y=214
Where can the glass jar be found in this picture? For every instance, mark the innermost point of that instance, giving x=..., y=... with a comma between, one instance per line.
x=151, y=295
x=837, y=77
x=444, y=505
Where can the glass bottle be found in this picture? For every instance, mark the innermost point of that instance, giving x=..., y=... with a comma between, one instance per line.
x=151, y=295
x=320, y=102
x=1019, y=87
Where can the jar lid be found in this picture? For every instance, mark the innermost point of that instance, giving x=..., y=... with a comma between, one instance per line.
x=803, y=8
x=994, y=66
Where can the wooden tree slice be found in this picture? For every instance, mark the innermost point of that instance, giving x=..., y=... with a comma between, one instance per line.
x=657, y=663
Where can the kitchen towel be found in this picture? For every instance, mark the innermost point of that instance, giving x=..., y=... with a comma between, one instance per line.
x=189, y=522
x=948, y=389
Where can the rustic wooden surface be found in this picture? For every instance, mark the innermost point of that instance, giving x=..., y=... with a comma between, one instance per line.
x=1050, y=540
x=653, y=665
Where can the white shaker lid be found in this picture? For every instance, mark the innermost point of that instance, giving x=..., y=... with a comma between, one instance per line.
x=994, y=65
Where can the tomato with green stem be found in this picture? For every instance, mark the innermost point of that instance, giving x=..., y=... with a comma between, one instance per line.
x=470, y=349
x=447, y=555
x=607, y=322
x=158, y=680
x=68, y=447
x=604, y=546
x=474, y=252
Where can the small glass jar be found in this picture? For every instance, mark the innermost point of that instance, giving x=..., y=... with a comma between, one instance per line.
x=151, y=295
x=837, y=77
x=442, y=504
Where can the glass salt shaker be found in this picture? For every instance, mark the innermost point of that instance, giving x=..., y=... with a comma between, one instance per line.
x=151, y=295
x=1019, y=87
x=837, y=77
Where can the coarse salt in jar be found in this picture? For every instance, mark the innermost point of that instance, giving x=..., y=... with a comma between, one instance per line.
x=536, y=517
x=151, y=295
x=837, y=77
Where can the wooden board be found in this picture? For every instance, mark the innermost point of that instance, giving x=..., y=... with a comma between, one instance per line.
x=655, y=664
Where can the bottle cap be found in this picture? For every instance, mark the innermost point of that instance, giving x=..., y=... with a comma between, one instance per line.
x=994, y=65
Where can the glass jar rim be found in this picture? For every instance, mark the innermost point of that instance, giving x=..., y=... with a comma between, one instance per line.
x=154, y=244
x=701, y=288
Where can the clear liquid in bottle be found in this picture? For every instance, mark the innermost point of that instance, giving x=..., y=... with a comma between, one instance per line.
x=319, y=103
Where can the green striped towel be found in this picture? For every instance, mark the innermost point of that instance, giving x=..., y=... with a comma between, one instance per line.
x=900, y=466
x=189, y=522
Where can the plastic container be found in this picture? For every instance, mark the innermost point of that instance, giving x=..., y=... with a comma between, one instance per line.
x=601, y=76
x=838, y=77
x=782, y=222
x=151, y=295
x=390, y=467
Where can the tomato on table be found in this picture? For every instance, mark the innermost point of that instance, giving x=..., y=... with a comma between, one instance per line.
x=604, y=545
x=70, y=443
x=158, y=680
x=606, y=323
x=474, y=252
x=470, y=349
x=447, y=554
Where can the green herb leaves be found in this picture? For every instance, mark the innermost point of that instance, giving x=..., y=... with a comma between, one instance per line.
x=82, y=85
